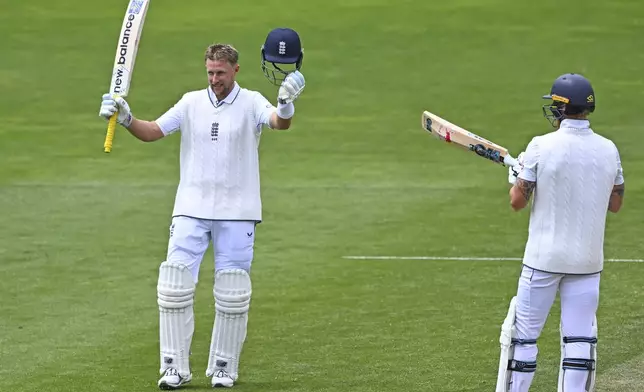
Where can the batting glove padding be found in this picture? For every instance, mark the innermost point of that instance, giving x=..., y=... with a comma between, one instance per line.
x=513, y=171
x=111, y=105
x=291, y=88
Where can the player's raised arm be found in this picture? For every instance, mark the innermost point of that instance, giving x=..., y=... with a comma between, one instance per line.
x=290, y=89
x=520, y=193
x=147, y=131
x=523, y=176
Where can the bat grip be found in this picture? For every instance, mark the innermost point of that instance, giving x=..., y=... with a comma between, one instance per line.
x=109, y=137
x=509, y=161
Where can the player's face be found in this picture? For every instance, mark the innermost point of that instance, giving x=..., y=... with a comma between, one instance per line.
x=221, y=76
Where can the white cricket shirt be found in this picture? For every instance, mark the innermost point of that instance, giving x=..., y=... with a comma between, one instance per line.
x=575, y=170
x=219, y=158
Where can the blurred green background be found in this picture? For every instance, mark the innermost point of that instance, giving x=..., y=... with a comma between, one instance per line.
x=83, y=232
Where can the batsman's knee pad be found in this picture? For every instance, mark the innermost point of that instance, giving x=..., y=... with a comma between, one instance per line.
x=232, y=291
x=578, y=361
x=508, y=342
x=232, y=301
x=175, y=297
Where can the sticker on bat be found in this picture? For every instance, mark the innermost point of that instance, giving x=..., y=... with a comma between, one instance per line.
x=428, y=124
x=135, y=6
x=485, y=152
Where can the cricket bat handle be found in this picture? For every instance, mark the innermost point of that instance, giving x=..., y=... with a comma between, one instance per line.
x=509, y=161
x=109, y=137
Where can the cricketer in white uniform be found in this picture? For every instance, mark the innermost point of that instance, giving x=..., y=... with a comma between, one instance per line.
x=218, y=199
x=576, y=177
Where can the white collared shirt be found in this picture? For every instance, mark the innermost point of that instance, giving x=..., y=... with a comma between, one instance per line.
x=575, y=170
x=219, y=158
x=230, y=98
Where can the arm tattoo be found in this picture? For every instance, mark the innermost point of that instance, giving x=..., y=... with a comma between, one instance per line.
x=526, y=187
x=619, y=190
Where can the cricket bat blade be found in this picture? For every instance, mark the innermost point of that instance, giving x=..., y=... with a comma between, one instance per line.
x=126, y=49
x=454, y=134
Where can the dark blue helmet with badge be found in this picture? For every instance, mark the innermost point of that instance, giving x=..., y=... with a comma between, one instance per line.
x=571, y=94
x=282, y=53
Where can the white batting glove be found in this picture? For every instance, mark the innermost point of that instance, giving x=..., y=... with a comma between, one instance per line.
x=513, y=171
x=110, y=105
x=291, y=88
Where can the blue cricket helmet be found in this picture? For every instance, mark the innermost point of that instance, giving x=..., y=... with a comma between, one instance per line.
x=282, y=46
x=571, y=93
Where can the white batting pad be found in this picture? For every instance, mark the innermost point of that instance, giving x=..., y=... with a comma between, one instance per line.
x=232, y=300
x=176, y=291
x=505, y=340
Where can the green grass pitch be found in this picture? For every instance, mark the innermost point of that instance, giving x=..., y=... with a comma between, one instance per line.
x=83, y=232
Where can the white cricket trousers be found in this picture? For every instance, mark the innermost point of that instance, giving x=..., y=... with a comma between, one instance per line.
x=579, y=296
x=233, y=243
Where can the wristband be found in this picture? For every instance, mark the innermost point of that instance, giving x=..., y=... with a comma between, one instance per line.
x=285, y=110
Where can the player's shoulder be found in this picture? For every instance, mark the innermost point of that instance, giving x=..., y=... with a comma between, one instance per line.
x=254, y=98
x=195, y=94
x=603, y=139
x=537, y=140
x=191, y=96
x=548, y=135
x=248, y=93
x=551, y=139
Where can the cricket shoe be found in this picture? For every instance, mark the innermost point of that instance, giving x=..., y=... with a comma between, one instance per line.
x=172, y=380
x=222, y=379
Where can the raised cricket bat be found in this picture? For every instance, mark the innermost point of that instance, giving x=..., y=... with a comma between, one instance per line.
x=450, y=133
x=126, y=49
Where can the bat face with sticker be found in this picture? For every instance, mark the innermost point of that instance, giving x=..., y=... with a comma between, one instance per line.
x=126, y=49
x=451, y=133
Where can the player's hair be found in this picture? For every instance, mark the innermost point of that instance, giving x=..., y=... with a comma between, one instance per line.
x=226, y=52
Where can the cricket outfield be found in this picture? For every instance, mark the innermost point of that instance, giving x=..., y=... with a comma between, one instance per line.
x=83, y=232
